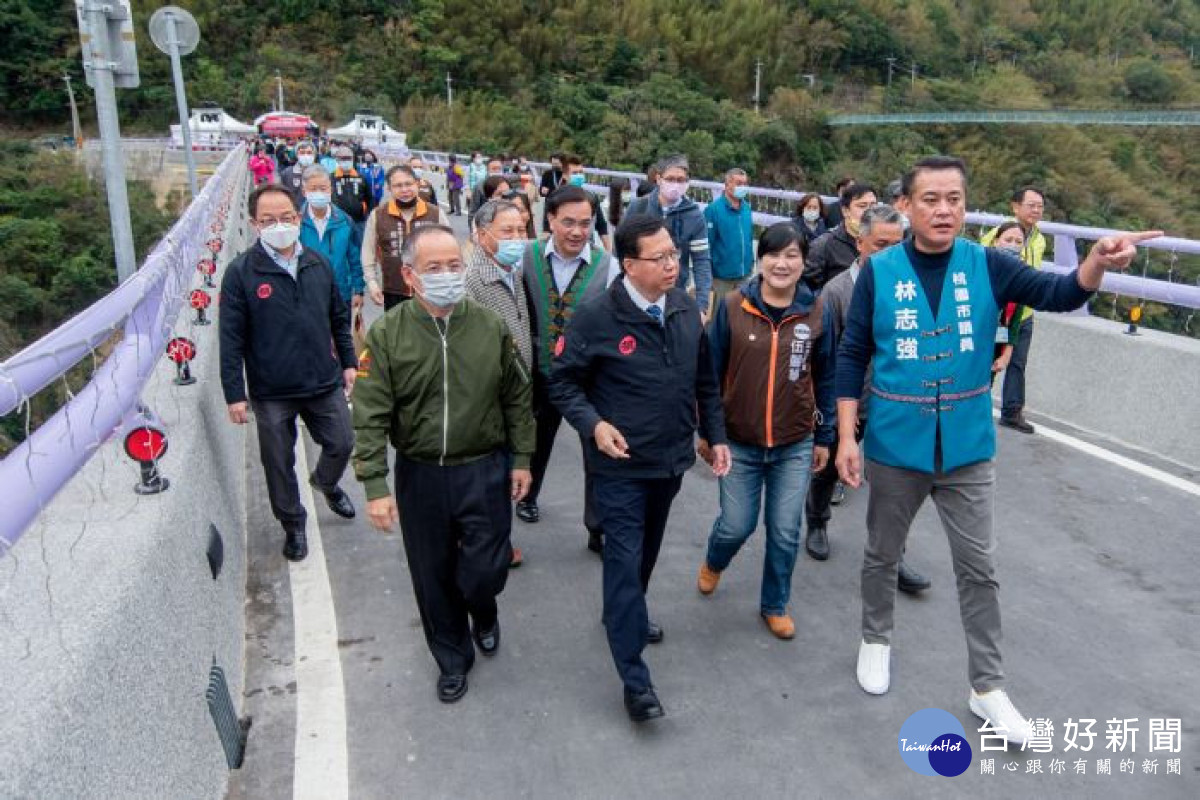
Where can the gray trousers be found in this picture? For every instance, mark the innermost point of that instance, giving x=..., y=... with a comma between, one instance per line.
x=327, y=418
x=964, y=499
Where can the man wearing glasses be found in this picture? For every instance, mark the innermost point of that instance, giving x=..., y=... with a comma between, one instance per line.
x=442, y=381
x=1028, y=205
x=280, y=312
x=560, y=273
x=633, y=374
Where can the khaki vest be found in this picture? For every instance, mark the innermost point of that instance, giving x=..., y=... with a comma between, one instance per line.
x=391, y=229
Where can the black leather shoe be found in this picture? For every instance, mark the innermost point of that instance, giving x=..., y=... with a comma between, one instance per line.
x=642, y=706
x=527, y=511
x=295, y=547
x=654, y=633
x=488, y=641
x=816, y=542
x=910, y=581
x=1016, y=422
x=596, y=542
x=839, y=494
x=339, y=503
x=451, y=688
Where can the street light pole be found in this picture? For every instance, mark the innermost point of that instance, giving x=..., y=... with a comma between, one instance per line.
x=102, y=67
x=76, y=131
x=279, y=84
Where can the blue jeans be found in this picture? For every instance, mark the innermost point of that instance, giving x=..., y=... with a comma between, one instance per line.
x=785, y=471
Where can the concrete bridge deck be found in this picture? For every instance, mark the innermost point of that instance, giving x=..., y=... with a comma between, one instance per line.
x=1102, y=620
x=1097, y=570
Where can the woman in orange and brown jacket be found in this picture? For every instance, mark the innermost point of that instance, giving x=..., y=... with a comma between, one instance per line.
x=774, y=362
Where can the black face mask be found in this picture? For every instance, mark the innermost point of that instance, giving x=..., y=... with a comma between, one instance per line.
x=407, y=203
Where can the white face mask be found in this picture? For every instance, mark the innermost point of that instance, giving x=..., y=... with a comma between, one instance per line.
x=345, y=165
x=443, y=289
x=671, y=191
x=306, y=159
x=811, y=215
x=280, y=236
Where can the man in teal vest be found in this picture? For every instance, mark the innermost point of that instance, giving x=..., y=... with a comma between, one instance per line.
x=925, y=311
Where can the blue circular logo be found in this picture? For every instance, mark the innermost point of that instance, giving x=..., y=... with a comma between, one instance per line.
x=933, y=742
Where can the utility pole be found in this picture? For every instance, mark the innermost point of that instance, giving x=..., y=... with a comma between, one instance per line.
x=76, y=131
x=279, y=84
x=96, y=18
x=891, y=66
x=449, y=91
x=914, y=74
x=757, y=83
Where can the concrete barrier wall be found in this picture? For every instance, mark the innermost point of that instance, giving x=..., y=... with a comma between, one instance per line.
x=110, y=619
x=1143, y=391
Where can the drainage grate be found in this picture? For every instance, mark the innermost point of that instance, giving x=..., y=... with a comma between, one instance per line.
x=216, y=550
x=231, y=730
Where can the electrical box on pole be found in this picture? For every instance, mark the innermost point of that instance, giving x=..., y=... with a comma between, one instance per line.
x=115, y=43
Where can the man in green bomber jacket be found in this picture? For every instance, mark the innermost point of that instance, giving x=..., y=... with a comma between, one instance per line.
x=442, y=381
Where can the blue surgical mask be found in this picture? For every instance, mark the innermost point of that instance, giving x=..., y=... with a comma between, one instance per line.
x=317, y=199
x=443, y=289
x=510, y=251
x=576, y=180
x=345, y=165
x=741, y=192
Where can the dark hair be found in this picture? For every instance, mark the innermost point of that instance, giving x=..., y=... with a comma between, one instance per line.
x=855, y=191
x=491, y=183
x=572, y=161
x=370, y=153
x=842, y=184
x=497, y=159
x=931, y=163
x=523, y=199
x=564, y=195
x=405, y=168
x=1008, y=226
x=631, y=231
x=1019, y=195
x=808, y=198
x=268, y=188
x=780, y=237
x=615, y=205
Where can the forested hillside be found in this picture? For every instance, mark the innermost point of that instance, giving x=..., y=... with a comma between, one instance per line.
x=620, y=82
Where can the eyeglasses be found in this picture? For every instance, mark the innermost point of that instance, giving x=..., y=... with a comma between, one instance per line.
x=574, y=224
x=663, y=260
x=285, y=219
x=437, y=268
x=1034, y=206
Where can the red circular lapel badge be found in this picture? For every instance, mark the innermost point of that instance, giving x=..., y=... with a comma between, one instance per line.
x=264, y=291
x=627, y=345
x=559, y=346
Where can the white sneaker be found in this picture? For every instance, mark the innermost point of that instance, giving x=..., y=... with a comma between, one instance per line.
x=873, y=670
x=995, y=707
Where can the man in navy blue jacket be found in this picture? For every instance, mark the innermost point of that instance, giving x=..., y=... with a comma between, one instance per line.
x=630, y=374
x=283, y=320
